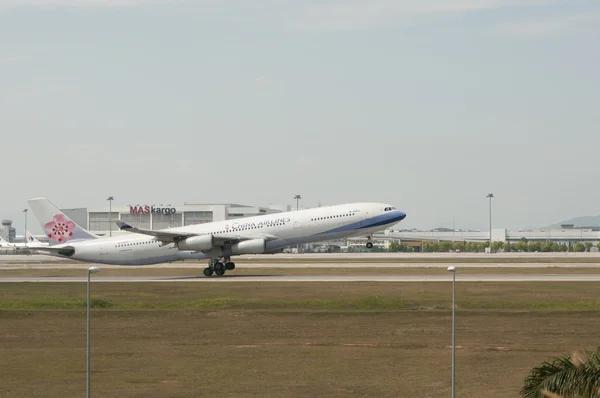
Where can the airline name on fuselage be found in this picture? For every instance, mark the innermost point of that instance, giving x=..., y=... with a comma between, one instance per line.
x=267, y=223
x=151, y=210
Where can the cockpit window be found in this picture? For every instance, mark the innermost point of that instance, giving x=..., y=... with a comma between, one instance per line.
x=389, y=209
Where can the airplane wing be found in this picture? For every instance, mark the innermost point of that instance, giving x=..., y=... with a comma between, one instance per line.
x=163, y=236
x=173, y=237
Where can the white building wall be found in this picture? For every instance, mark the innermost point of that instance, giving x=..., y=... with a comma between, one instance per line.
x=280, y=207
x=98, y=220
x=503, y=235
x=219, y=213
x=379, y=240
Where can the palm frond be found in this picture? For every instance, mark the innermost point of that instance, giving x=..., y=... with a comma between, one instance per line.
x=548, y=394
x=569, y=378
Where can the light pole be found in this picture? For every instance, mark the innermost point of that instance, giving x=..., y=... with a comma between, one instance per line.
x=297, y=197
x=25, y=232
x=453, y=229
x=490, y=195
x=453, y=270
x=91, y=270
x=110, y=199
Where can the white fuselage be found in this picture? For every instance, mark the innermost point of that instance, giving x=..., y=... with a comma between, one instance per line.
x=6, y=245
x=284, y=229
x=22, y=245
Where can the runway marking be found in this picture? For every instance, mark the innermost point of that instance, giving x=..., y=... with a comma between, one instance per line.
x=311, y=278
x=52, y=266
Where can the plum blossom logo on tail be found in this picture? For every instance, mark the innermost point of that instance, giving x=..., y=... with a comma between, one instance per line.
x=60, y=228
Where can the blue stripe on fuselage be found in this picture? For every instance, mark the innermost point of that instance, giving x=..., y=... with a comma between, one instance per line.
x=391, y=217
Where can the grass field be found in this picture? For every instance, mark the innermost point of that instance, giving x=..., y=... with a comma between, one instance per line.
x=301, y=340
x=367, y=270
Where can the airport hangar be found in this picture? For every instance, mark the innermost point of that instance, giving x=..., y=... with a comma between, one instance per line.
x=101, y=220
x=567, y=234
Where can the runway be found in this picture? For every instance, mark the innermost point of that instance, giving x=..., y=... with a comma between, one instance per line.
x=311, y=278
x=199, y=267
x=342, y=260
x=24, y=262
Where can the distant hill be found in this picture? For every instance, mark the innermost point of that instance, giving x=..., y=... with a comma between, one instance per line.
x=585, y=221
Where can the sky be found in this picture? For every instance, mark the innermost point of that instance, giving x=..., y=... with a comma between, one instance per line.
x=427, y=105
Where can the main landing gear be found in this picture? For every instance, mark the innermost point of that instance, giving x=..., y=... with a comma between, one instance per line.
x=218, y=266
x=369, y=243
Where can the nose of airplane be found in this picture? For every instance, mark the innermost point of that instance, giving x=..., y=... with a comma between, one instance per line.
x=396, y=215
x=401, y=215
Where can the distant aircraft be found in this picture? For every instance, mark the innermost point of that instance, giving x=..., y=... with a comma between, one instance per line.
x=217, y=241
x=6, y=245
x=33, y=241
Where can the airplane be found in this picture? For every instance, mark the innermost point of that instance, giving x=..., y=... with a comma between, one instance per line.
x=23, y=245
x=6, y=245
x=16, y=245
x=217, y=241
x=34, y=241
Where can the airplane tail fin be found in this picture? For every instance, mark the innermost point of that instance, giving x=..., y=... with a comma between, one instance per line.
x=31, y=238
x=4, y=243
x=58, y=226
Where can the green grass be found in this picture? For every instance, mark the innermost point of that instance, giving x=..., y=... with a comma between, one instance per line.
x=294, y=340
x=333, y=270
x=333, y=297
x=368, y=303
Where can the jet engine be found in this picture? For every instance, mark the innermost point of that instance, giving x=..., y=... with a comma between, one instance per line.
x=67, y=251
x=253, y=246
x=197, y=243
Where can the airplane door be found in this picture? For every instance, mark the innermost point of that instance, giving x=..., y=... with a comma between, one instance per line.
x=366, y=217
x=103, y=250
x=297, y=223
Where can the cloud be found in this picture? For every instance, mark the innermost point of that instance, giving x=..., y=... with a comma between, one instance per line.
x=547, y=26
x=339, y=15
x=356, y=15
x=307, y=161
x=6, y=59
x=8, y=4
x=304, y=14
x=263, y=84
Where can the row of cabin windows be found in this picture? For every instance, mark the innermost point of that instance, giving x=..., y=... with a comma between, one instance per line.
x=245, y=228
x=328, y=217
x=241, y=229
x=218, y=232
x=136, y=243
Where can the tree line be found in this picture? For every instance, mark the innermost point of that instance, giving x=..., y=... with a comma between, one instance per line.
x=476, y=247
